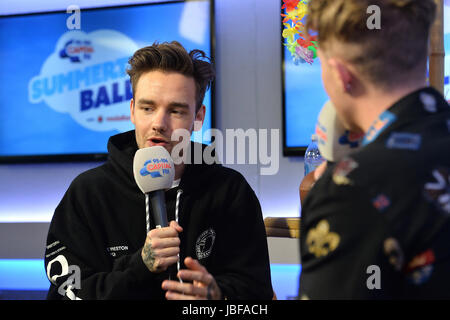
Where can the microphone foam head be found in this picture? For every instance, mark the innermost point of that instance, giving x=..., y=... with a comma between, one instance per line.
x=334, y=141
x=153, y=169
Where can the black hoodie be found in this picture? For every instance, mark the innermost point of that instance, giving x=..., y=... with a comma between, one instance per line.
x=98, y=230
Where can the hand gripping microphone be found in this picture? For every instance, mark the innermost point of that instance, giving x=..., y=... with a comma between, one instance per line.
x=334, y=141
x=154, y=171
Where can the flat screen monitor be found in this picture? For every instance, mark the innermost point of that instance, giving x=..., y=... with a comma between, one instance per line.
x=303, y=98
x=304, y=95
x=64, y=87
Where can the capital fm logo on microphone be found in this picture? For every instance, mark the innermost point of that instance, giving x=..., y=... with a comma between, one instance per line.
x=156, y=168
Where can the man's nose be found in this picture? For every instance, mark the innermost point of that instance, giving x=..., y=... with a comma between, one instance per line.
x=160, y=119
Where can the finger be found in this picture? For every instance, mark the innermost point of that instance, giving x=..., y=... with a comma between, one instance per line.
x=166, y=232
x=193, y=264
x=188, y=275
x=170, y=295
x=161, y=243
x=166, y=252
x=176, y=226
x=184, y=288
x=165, y=262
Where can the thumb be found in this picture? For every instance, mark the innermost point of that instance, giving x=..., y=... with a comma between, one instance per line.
x=193, y=264
x=176, y=226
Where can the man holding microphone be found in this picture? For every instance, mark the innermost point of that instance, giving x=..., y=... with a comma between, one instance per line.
x=100, y=245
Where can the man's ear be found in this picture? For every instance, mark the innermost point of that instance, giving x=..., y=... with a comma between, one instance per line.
x=341, y=73
x=199, y=118
x=132, y=110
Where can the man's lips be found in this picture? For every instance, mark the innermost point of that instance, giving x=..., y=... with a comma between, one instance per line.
x=156, y=141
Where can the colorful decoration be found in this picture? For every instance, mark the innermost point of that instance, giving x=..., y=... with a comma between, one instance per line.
x=302, y=48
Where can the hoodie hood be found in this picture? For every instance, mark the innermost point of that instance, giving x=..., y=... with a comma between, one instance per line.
x=121, y=150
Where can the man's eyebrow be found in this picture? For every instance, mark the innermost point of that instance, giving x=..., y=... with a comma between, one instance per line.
x=173, y=104
x=179, y=105
x=145, y=101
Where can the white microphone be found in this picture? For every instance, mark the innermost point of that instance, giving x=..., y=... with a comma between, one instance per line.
x=334, y=141
x=154, y=171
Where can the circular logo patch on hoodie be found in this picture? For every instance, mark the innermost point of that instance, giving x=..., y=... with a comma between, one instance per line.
x=204, y=244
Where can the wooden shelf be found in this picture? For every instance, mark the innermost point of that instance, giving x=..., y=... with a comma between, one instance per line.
x=282, y=227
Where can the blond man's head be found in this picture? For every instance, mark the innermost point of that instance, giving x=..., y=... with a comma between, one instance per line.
x=384, y=56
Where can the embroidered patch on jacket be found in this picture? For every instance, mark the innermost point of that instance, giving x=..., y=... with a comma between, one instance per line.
x=394, y=253
x=204, y=244
x=342, y=169
x=404, y=140
x=423, y=259
x=420, y=275
x=321, y=241
x=352, y=139
x=429, y=102
x=438, y=191
x=420, y=268
x=383, y=121
x=381, y=202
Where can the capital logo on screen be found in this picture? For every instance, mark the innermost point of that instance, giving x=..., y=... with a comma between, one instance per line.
x=77, y=50
x=156, y=168
x=85, y=77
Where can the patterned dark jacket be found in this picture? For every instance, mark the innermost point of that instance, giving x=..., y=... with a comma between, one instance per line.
x=376, y=225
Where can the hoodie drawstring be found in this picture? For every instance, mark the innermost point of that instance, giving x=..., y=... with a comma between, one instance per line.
x=147, y=212
x=177, y=204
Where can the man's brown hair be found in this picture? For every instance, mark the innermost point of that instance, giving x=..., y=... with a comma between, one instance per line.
x=382, y=55
x=173, y=57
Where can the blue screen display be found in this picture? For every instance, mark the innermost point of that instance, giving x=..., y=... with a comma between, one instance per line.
x=304, y=97
x=304, y=94
x=447, y=50
x=66, y=91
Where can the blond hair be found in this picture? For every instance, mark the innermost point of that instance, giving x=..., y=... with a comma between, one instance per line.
x=384, y=55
